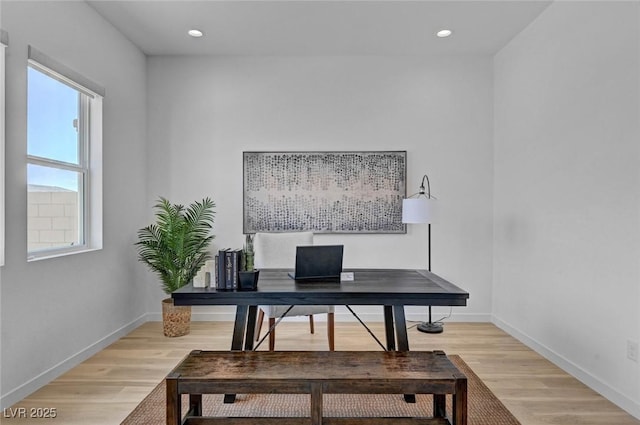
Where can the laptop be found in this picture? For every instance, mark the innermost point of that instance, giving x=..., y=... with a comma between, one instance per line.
x=318, y=263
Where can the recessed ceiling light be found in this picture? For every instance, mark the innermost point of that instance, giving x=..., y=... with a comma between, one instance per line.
x=195, y=33
x=444, y=33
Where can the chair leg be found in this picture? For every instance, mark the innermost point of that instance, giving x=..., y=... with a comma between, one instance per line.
x=272, y=335
x=311, y=328
x=259, y=323
x=330, y=331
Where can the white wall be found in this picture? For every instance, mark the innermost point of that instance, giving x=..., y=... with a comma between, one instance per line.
x=203, y=112
x=56, y=312
x=2, y=190
x=567, y=191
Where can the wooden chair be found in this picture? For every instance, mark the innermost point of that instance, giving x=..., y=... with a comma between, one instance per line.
x=278, y=251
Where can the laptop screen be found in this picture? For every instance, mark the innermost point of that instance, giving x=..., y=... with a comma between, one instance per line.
x=319, y=262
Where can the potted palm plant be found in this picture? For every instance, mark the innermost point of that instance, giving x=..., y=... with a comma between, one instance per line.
x=175, y=247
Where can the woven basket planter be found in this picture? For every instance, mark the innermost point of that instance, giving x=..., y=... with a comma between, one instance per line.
x=176, y=320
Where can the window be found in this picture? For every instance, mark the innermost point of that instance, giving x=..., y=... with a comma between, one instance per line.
x=64, y=149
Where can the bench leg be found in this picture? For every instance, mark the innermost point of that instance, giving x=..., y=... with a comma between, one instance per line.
x=439, y=406
x=460, y=402
x=174, y=403
x=195, y=404
x=316, y=403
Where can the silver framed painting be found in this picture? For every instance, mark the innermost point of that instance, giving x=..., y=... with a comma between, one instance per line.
x=324, y=192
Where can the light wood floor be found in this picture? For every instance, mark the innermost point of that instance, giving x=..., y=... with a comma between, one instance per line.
x=105, y=388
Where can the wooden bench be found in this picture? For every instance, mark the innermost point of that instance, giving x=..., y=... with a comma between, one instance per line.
x=316, y=373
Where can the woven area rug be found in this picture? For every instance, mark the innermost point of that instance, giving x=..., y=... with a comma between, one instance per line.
x=483, y=406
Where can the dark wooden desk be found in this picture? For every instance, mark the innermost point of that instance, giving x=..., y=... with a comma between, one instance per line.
x=391, y=288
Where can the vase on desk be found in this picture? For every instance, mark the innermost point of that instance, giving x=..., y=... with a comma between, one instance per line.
x=248, y=280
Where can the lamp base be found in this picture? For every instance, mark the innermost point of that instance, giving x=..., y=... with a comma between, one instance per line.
x=430, y=328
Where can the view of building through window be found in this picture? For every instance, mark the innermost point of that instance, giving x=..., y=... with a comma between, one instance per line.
x=56, y=170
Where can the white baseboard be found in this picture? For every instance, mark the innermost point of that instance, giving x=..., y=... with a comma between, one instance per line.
x=619, y=399
x=19, y=393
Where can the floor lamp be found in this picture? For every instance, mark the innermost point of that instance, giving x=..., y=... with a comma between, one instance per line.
x=418, y=208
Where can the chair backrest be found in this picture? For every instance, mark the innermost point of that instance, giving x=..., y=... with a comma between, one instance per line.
x=278, y=250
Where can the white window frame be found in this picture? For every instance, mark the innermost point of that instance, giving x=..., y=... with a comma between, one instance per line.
x=90, y=155
x=4, y=43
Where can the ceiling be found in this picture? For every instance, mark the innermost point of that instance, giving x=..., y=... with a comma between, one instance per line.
x=310, y=27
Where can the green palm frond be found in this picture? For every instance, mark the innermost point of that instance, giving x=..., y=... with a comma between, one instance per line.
x=176, y=246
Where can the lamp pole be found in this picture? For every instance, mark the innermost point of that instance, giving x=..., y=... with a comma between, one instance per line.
x=430, y=327
x=415, y=209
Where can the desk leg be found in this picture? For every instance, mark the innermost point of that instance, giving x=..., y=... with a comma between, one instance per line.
x=395, y=327
x=239, y=327
x=251, y=328
x=403, y=339
x=388, y=328
x=401, y=328
x=237, y=340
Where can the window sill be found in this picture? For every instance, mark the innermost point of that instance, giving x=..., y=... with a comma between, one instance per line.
x=45, y=255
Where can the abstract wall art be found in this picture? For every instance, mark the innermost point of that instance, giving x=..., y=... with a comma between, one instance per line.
x=324, y=192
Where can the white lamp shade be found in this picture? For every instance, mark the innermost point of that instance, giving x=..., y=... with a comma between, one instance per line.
x=417, y=210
